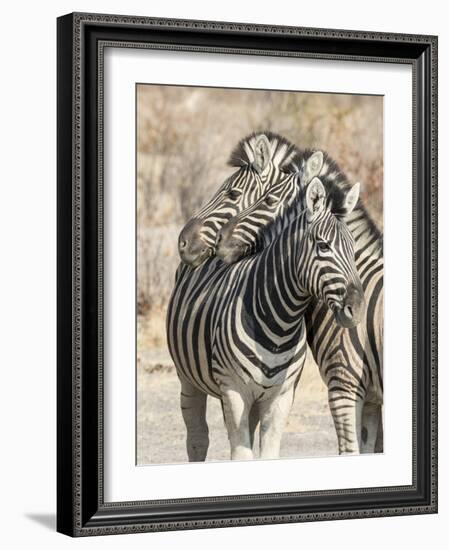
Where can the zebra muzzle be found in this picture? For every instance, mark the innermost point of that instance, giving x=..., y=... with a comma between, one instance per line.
x=351, y=312
x=193, y=251
x=227, y=247
x=230, y=252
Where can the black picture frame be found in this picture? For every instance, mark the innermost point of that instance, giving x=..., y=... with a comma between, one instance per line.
x=81, y=509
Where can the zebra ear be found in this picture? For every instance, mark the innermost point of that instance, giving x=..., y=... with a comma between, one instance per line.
x=262, y=153
x=315, y=198
x=352, y=197
x=312, y=167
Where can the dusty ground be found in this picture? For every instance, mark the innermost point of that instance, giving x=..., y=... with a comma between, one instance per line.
x=161, y=432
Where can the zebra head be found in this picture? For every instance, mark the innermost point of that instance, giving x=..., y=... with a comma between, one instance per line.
x=260, y=160
x=327, y=259
x=256, y=226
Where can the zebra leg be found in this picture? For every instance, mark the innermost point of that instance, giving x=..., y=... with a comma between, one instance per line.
x=273, y=418
x=370, y=425
x=346, y=409
x=379, y=446
x=193, y=407
x=253, y=421
x=236, y=412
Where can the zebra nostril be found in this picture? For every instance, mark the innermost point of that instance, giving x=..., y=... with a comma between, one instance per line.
x=182, y=244
x=348, y=311
x=219, y=237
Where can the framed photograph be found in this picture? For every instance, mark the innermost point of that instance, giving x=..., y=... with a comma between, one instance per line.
x=247, y=278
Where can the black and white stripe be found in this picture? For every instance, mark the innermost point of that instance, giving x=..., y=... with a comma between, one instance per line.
x=350, y=359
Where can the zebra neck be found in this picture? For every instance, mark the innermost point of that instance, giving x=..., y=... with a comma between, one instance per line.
x=368, y=238
x=274, y=230
x=274, y=304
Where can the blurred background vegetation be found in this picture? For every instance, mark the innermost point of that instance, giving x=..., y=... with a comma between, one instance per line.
x=184, y=138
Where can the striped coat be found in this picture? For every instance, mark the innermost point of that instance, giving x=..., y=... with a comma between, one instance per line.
x=350, y=360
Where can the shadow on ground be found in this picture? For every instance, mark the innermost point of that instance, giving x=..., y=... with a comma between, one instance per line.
x=46, y=520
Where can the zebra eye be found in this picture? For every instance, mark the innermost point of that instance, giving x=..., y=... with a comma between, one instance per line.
x=323, y=246
x=270, y=200
x=233, y=194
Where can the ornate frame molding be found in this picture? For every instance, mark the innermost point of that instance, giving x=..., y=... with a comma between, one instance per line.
x=81, y=42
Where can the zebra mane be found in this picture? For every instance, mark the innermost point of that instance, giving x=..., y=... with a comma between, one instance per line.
x=337, y=186
x=284, y=154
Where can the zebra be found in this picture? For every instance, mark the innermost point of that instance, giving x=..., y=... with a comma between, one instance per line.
x=238, y=332
x=261, y=160
x=350, y=361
